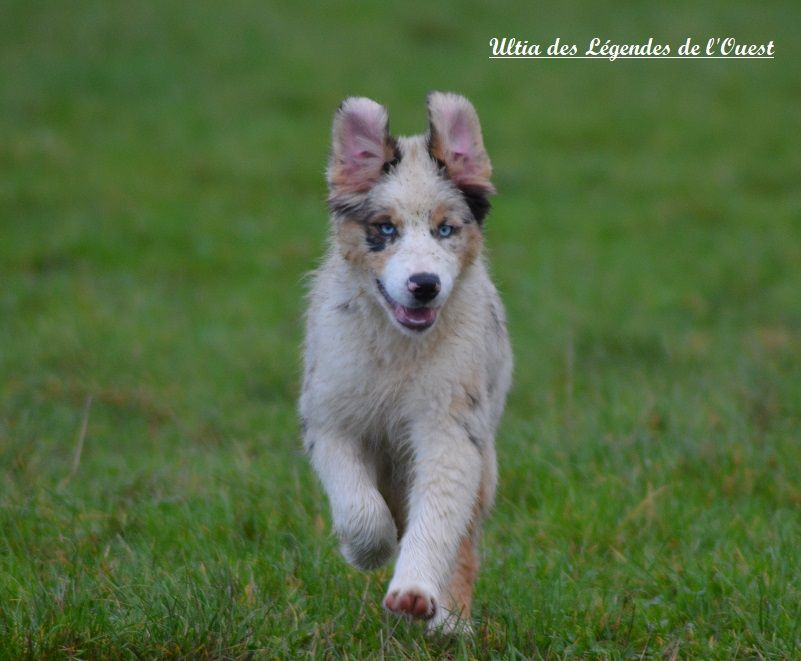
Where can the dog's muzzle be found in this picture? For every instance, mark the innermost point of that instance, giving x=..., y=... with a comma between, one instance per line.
x=415, y=318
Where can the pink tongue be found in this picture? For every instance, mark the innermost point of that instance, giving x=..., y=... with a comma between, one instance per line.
x=415, y=316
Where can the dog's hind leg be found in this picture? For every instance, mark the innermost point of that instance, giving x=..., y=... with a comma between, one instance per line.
x=361, y=516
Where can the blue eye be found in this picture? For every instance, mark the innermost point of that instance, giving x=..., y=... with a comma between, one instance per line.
x=445, y=231
x=387, y=229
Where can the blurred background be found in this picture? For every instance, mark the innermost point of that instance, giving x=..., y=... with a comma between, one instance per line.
x=162, y=197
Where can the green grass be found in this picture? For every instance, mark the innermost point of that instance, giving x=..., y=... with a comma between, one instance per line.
x=161, y=197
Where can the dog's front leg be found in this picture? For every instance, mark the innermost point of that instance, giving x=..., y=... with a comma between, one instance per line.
x=360, y=514
x=447, y=475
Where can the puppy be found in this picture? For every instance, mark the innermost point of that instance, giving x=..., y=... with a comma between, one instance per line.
x=407, y=358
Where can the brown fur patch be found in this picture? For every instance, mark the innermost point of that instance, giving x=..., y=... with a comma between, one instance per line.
x=472, y=239
x=460, y=588
x=468, y=239
x=440, y=213
x=352, y=235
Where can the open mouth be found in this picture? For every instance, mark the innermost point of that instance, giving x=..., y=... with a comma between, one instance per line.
x=416, y=319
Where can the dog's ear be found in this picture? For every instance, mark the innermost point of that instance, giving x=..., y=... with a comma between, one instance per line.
x=361, y=146
x=455, y=140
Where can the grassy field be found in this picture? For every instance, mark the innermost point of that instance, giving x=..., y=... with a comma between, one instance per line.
x=161, y=197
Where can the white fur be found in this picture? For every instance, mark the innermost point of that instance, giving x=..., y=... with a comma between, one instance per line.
x=378, y=401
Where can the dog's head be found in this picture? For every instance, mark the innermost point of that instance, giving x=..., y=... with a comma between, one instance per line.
x=408, y=211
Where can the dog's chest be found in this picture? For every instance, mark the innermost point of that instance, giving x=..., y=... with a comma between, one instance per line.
x=370, y=386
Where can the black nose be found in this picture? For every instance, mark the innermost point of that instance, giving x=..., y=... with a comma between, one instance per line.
x=424, y=286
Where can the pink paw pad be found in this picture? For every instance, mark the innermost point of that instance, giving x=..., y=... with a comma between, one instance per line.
x=411, y=603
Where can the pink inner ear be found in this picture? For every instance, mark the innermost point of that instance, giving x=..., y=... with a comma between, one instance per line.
x=362, y=140
x=359, y=141
x=460, y=139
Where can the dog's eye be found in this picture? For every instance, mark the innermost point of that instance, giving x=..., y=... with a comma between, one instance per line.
x=444, y=231
x=387, y=229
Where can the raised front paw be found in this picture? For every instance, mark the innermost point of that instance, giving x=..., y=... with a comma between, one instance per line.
x=412, y=601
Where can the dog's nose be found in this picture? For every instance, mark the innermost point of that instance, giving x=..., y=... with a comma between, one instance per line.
x=424, y=286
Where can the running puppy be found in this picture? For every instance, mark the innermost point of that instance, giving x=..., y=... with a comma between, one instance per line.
x=407, y=359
